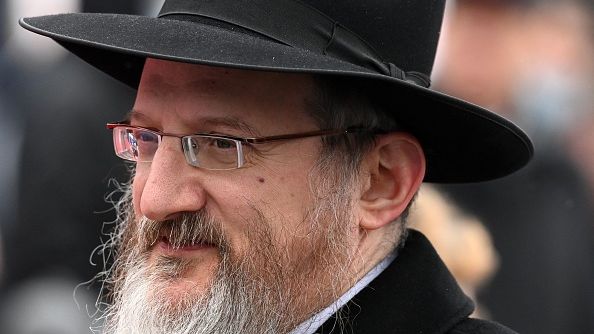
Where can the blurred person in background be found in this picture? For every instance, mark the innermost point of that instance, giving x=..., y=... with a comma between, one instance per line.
x=462, y=242
x=581, y=135
x=51, y=187
x=531, y=61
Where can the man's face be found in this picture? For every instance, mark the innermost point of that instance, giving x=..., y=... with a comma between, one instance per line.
x=265, y=228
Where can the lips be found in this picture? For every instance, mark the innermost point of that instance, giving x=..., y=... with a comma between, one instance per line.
x=173, y=242
x=182, y=245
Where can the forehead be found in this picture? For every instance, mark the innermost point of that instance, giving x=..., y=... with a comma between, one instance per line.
x=193, y=92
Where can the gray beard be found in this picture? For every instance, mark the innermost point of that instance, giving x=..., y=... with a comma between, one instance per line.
x=269, y=289
x=230, y=306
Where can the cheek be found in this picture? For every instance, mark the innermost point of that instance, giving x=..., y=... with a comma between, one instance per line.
x=284, y=201
x=281, y=202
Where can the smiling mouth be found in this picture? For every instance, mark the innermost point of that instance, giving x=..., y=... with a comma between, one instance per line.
x=190, y=233
x=164, y=244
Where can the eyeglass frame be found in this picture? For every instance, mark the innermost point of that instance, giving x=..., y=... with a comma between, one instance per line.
x=240, y=141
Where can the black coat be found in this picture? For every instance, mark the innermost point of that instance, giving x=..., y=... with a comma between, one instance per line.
x=415, y=294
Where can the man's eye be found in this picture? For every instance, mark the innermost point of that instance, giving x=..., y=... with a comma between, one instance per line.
x=223, y=144
x=146, y=137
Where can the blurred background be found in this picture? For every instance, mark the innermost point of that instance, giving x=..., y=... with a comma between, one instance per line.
x=532, y=61
x=522, y=247
x=55, y=171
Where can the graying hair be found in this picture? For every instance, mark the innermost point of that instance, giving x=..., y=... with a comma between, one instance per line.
x=341, y=103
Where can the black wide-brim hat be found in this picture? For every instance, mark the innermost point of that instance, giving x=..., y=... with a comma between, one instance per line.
x=387, y=45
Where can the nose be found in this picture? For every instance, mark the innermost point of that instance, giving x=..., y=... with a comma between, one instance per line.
x=168, y=187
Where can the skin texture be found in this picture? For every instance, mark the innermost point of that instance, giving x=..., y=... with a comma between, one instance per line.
x=184, y=99
x=177, y=98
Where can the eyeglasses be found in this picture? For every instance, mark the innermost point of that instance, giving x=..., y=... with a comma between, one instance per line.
x=212, y=152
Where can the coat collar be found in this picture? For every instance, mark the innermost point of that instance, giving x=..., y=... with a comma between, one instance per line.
x=416, y=294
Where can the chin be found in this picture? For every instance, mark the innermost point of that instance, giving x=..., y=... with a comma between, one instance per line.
x=183, y=274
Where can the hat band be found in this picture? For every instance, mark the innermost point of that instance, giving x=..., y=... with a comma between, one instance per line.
x=295, y=24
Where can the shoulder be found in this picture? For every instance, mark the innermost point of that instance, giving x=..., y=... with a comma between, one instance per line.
x=478, y=326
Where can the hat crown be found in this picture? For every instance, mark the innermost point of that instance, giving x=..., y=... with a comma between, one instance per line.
x=403, y=32
x=374, y=33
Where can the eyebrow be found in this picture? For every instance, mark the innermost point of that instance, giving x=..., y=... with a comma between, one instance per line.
x=209, y=122
x=135, y=114
x=232, y=123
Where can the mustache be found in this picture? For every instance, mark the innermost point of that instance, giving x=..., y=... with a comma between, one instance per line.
x=188, y=229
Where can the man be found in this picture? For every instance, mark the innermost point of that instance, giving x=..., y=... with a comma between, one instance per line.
x=277, y=147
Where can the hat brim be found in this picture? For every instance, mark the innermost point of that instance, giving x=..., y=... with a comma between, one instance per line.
x=462, y=142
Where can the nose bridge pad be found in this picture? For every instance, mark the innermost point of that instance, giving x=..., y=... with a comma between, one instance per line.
x=240, y=157
x=189, y=152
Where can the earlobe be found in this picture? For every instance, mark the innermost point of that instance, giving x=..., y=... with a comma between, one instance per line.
x=396, y=168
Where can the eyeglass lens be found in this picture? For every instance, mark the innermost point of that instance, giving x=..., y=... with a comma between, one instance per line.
x=211, y=152
x=135, y=144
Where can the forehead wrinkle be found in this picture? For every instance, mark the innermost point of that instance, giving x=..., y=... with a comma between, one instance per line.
x=160, y=84
x=210, y=85
x=231, y=122
x=157, y=84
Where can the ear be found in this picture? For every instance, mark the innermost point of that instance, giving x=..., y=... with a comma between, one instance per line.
x=394, y=169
